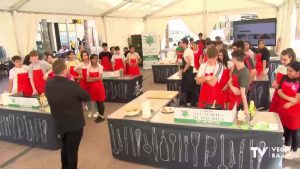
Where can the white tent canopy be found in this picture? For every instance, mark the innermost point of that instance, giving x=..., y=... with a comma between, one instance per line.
x=116, y=20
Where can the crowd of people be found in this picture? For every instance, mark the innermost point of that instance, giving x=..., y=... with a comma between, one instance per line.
x=228, y=82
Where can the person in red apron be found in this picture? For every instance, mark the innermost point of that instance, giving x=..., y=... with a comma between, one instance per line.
x=179, y=53
x=37, y=69
x=82, y=68
x=96, y=90
x=208, y=43
x=118, y=60
x=289, y=108
x=262, y=58
x=238, y=82
x=105, y=58
x=19, y=81
x=287, y=56
x=227, y=69
x=133, y=59
x=196, y=51
x=208, y=76
x=71, y=64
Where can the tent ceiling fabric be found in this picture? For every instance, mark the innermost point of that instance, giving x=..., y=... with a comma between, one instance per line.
x=134, y=8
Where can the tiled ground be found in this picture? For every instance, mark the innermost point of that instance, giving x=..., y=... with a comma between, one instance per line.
x=94, y=150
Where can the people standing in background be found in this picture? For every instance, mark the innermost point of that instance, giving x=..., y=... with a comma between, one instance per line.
x=80, y=49
x=179, y=53
x=238, y=82
x=65, y=98
x=112, y=50
x=287, y=56
x=37, y=69
x=19, y=81
x=219, y=45
x=248, y=51
x=50, y=58
x=79, y=42
x=217, y=39
x=46, y=54
x=201, y=44
x=118, y=60
x=208, y=77
x=262, y=58
x=26, y=60
x=208, y=43
x=71, y=64
x=288, y=109
x=188, y=75
x=105, y=58
x=63, y=49
x=191, y=41
x=133, y=59
x=196, y=52
x=96, y=89
x=224, y=81
x=126, y=51
x=72, y=45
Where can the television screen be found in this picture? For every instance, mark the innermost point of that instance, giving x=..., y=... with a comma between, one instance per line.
x=253, y=30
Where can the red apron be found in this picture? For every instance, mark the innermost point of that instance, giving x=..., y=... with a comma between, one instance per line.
x=179, y=55
x=276, y=98
x=133, y=70
x=96, y=89
x=73, y=72
x=259, y=63
x=196, y=60
x=83, y=83
x=105, y=62
x=118, y=64
x=290, y=117
x=24, y=85
x=223, y=82
x=209, y=94
x=38, y=80
x=234, y=99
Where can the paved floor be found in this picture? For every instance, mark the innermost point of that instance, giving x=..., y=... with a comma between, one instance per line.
x=94, y=150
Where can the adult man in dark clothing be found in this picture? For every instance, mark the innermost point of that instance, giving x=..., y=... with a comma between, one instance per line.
x=65, y=99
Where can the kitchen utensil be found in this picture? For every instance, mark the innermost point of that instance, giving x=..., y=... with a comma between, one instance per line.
x=231, y=155
x=195, y=138
x=132, y=142
x=172, y=138
x=241, y=154
x=119, y=140
x=222, y=165
x=167, y=110
x=147, y=147
x=138, y=136
x=164, y=148
x=115, y=149
x=213, y=106
x=186, y=142
x=209, y=142
x=126, y=140
x=180, y=148
x=154, y=144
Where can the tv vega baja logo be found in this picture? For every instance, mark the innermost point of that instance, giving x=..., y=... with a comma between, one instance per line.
x=273, y=152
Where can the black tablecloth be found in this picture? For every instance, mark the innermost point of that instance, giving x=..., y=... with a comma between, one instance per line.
x=158, y=145
x=123, y=90
x=162, y=72
x=28, y=128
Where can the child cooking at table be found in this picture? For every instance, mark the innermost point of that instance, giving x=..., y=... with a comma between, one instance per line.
x=96, y=90
x=133, y=59
x=19, y=81
x=37, y=69
x=118, y=60
x=287, y=56
x=227, y=69
x=71, y=64
x=289, y=108
x=208, y=76
x=238, y=82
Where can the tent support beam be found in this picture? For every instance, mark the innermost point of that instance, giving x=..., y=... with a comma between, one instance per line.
x=116, y=7
x=146, y=3
x=162, y=8
x=19, y=4
x=264, y=3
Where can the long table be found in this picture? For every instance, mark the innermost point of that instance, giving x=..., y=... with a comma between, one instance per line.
x=28, y=127
x=163, y=71
x=163, y=143
x=123, y=89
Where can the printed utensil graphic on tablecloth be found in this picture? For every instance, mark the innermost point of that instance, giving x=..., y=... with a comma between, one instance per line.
x=126, y=140
x=164, y=148
x=180, y=148
x=241, y=154
x=222, y=165
x=172, y=138
x=251, y=154
x=147, y=147
x=186, y=142
x=115, y=149
x=119, y=140
x=231, y=155
x=209, y=142
x=132, y=142
x=154, y=144
x=262, y=146
x=138, y=137
x=195, y=138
